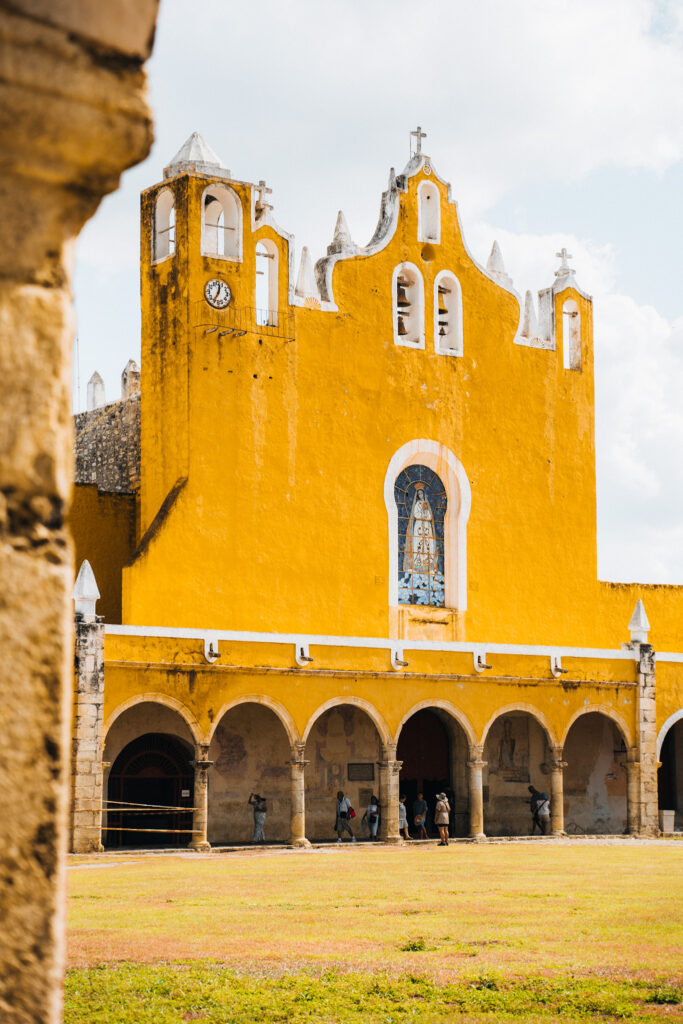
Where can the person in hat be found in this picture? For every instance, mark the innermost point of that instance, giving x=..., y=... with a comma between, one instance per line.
x=258, y=802
x=441, y=817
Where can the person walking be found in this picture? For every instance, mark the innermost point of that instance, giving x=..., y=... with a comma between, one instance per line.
x=403, y=818
x=420, y=816
x=259, y=804
x=534, y=800
x=371, y=816
x=543, y=814
x=441, y=817
x=344, y=813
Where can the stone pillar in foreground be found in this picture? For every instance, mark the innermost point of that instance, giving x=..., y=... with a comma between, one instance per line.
x=73, y=116
x=557, y=767
x=200, y=816
x=475, y=767
x=647, y=743
x=633, y=793
x=297, y=829
x=86, y=741
x=389, y=769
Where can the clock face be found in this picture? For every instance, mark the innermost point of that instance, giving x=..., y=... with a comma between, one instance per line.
x=217, y=293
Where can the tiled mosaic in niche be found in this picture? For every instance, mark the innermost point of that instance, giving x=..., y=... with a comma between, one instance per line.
x=421, y=502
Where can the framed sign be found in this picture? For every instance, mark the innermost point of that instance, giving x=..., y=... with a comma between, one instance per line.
x=360, y=772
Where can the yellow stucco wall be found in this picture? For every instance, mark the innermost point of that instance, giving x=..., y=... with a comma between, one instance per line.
x=103, y=528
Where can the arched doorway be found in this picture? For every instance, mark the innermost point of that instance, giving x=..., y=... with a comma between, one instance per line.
x=342, y=750
x=595, y=779
x=433, y=748
x=148, y=754
x=517, y=756
x=250, y=751
x=153, y=770
x=670, y=774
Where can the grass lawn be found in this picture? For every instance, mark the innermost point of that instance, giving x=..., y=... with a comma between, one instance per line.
x=511, y=931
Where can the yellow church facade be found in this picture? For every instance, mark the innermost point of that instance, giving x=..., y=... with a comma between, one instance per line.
x=360, y=551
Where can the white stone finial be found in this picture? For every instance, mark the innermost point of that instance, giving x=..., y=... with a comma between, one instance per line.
x=495, y=264
x=392, y=179
x=262, y=203
x=130, y=378
x=306, y=284
x=196, y=155
x=85, y=592
x=639, y=624
x=95, y=393
x=564, y=267
x=529, y=318
x=342, y=241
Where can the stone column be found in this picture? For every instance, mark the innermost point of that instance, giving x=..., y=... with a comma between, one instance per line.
x=200, y=817
x=73, y=116
x=297, y=830
x=557, y=767
x=633, y=792
x=646, y=742
x=475, y=767
x=86, y=743
x=389, y=769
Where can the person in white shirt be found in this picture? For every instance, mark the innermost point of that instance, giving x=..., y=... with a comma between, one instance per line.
x=372, y=816
x=403, y=817
x=343, y=822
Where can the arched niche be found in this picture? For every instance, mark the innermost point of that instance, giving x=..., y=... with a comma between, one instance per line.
x=571, y=335
x=407, y=289
x=595, y=779
x=459, y=496
x=517, y=755
x=163, y=236
x=428, y=213
x=670, y=772
x=343, y=747
x=266, y=288
x=221, y=223
x=448, y=336
x=250, y=750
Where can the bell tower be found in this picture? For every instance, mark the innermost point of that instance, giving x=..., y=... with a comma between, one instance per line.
x=205, y=238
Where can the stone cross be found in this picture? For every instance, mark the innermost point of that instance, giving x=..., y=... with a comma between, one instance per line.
x=418, y=135
x=564, y=256
x=263, y=191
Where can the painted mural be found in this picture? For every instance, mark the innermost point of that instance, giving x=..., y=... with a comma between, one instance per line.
x=421, y=503
x=508, y=746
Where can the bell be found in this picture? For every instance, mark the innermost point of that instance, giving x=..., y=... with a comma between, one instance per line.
x=442, y=331
x=442, y=290
x=401, y=327
x=442, y=312
x=401, y=297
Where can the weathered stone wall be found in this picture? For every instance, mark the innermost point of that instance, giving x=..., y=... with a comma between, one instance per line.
x=73, y=116
x=86, y=742
x=107, y=446
x=595, y=778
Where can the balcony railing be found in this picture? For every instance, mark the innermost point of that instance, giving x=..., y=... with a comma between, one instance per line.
x=236, y=322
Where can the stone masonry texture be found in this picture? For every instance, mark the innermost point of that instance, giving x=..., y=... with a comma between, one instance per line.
x=73, y=116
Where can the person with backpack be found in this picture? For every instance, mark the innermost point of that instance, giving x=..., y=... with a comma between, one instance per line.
x=442, y=813
x=343, y=819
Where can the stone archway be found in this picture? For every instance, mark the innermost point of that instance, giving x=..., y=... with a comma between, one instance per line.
x=343, y=751
x=517, y=754
x=433, y=749
x=595, y=779
x=670, y=774
x=250, y=750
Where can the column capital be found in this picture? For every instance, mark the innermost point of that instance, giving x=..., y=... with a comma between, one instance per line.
x=558, y=765
x=296, y=762
x=202, y=766
x=476, y=752
x=392, y=766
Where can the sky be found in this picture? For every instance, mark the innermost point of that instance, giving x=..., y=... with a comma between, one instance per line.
x=557, y=124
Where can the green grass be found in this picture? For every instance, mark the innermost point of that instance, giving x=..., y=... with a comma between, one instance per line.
x=130, y=994
x=468, y=934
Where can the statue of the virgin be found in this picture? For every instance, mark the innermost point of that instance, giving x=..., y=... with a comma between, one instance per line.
x=421, y=551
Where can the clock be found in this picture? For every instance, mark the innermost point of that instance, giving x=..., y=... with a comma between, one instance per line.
x=217, y=293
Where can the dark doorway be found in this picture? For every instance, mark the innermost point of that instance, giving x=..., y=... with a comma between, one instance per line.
x=424, y=749
x=154, y=769
x=670, y=775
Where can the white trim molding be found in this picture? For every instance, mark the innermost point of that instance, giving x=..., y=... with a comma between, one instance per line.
x=669, y=724
x=459, y=496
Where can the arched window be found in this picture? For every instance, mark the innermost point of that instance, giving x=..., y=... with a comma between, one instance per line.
x=408, y=303
x=266, y=283
x=163, y=244
x=428, y=213
x=571, y=335
x=421, y=504
x=221, y=223
x=448, y=314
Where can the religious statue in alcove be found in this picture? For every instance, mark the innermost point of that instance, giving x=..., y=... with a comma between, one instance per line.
x=509, y=738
